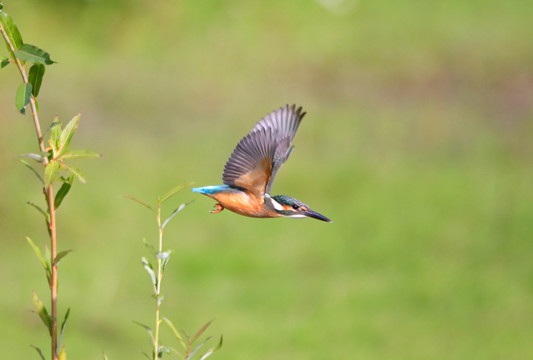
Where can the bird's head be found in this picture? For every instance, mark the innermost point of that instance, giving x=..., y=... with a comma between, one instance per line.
x=287, y=206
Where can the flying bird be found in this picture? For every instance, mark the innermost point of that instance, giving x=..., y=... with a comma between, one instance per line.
x=250, y=171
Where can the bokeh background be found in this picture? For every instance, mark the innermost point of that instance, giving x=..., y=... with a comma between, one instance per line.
x=417, y=144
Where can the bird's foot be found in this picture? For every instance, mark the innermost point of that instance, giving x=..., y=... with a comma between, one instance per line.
x=217, y=208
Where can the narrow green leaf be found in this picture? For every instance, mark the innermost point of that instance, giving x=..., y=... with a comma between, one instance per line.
x=43, y=314
x=138, y=201
x=181, y=207
x=12, y=32
x=23, y=97
x=44, y=262
x=55, y=123
x=164, y=256
x=164, y=264
x=150, y=271
x=5, y=62
x=35, y=77
x=145, y=262
x=201, y=331
x=81, y=154
x=67, y=133
x=62, y=192
x=74, y=171
x=60, y=256
x=39, y=209
x=185, y=334
x=197, y=348
x=149, y=246
x=50, y=172
x=176, y=352
x=47, y=256
x=220, y=343
x=32, y=170
x=212, y=350
x=163, y=350
x=174, y=190
x=33, y=156
x=160, y=350
x=38, y=351
x=176, y=333
x=147, y=328
x=55, y=133
x=33, y=54
x=63, y=324
x=104, y=356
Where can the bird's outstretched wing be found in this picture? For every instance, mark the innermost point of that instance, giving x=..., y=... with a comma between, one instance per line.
x=259, y=155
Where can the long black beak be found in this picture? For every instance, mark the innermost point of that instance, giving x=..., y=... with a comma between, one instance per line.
x=315, y=215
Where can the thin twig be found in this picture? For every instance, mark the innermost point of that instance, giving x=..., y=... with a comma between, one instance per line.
x=158, y=288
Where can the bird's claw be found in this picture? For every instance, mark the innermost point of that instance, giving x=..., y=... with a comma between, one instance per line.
x=217, y=208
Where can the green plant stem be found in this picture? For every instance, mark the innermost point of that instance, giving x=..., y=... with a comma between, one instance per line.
x=158, y=287
x=53, y=279
x=49, y=195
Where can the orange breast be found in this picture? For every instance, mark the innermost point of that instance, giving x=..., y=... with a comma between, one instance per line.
x=244, y=204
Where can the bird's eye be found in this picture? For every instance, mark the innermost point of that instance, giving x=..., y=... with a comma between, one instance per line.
x=295, y=207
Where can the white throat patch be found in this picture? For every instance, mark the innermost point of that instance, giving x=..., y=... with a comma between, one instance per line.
x=277, y=205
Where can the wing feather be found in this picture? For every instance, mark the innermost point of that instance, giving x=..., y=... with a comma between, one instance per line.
x=259, y=155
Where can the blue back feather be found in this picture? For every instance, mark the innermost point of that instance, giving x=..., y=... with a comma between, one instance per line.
x=210, y=190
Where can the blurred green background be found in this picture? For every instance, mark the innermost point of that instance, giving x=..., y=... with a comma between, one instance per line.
x=417, y=144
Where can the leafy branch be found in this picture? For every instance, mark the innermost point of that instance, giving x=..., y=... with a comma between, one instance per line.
x=50, y=159
x=156, y=277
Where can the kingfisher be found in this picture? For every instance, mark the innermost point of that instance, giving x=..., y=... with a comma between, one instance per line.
x=250, y=171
